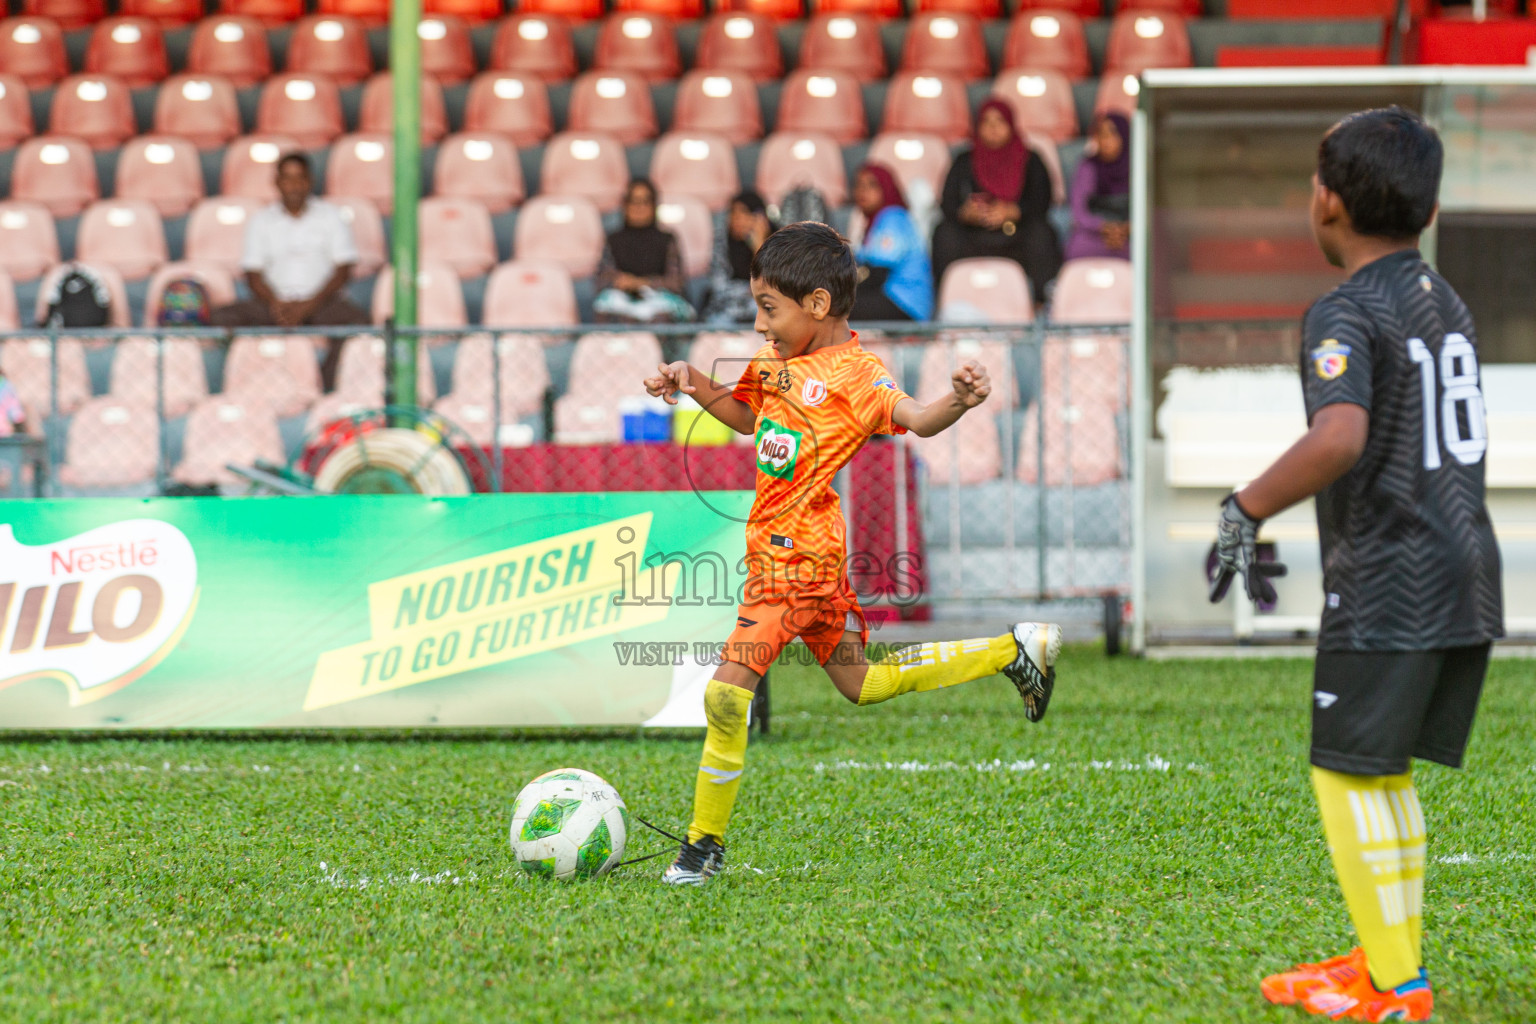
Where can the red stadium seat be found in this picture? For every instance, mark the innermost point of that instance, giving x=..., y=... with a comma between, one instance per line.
x=456, y=232
x=823, y=101
x=1046, y=150
x=617, y=103
x=329, y=44
x=724, y=102
x=529, y=293
x=844, y=42
x=987, y=290
x=126, y=234
x=133, y=49
x=913, y=157
x=1048, y=41
x=679, y=10
x=111, y=445
x=202, y=109
x=168, y=14
x=69, y=15
x=439, y=303
x=935, y=104
x=362, y=216
x=509, y=103
x=644, y=44
x=138, y=362
x=1141, y=41
x=305, y=107
x=279, y=373
x=778, y=10
x=162, y=170
x=446, y=53
x=372, y=13
x=945, y=43
x=987, y=9
x=222, y=431
x=591, y=165
x=1041, y=101
x=790, y=160
x=29, y=243
x=235, y=47
x=97, y=109
x=250, y=165
x=32, y=49
x=740, y=42
x=1118, y=91
x=221, y=291
x=573, y=10
x=363, y=165
x=535, y=44
x=29, y=364
x=565, y=229
x=689, y=218
x=216, y=230
x=378, y=109
x=699, y=165
x=1093, y=291
x=873, y=8
x=472, y=11
x=482, y=166
x=271, y=13
x=15, y=111
x=57, y=172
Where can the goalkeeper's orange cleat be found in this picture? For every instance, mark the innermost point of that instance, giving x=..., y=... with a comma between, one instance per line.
x=1294, y=985
x=1358, y=999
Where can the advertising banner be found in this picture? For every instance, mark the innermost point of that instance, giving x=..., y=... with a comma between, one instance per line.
x=365, y=611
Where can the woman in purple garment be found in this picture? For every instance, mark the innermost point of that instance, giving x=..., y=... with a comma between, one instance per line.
x=1101, y=193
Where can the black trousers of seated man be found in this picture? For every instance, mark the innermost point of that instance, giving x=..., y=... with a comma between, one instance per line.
x=337, y=311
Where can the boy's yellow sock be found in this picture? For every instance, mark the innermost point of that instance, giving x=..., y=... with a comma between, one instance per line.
x=935, y=664
x=1412, y=846
x=725, y=754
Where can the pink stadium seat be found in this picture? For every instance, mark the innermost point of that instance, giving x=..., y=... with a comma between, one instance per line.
x=15, y=111
x=1041, y=101
x=509, y=103
x=952, y=350
x=791, y=159
x=724, y=102
x=9, y=317
x=32, y=49
x=168, y=14
x=480, y=166
x=123, y=233
x=225, y=430
x=472, y=11
x=974, y=454
x=701, y=165
x=329, y=44
x=111, y=444
x=1042, y=145
x=535, y=44
x=280, y=373
x=873, y=8
x=250, y=165
x=1093, y=291
x=913, y=157
x=163, y=170
x=564, y=229
x=232, y=46
x=588, y=419
x=613, y=102
x=517, y=360
x=133, y=49
x=529, y=293
x=57, y=172
x=446, y=53
x=199, y=108
x=362, y=216
x=29, y=243
x=273, y=13
x=69, y=14
x=985, y=290
x=378, y=110
x=934, y=104
x=137, y=363
x=333, y=408
x=363, y=165
x=966, y=454
x=439, y=298
x=1082, y=390
x=688, y=218
x=28, y=364
x=817, y=101
x=457, y=232
x=844, y=42
x=360, y=370
x=1118, y=91
x=214, y=276
x=679, y=10
x=724, y=355
x=97, y=109
x=1048, y=40
x=604, y=369
x=305, y=107
x=372, y=13
x=643, y=44
x=216, y=230
x=987, y=9
x=945, y=43
x=575, y=10
x=745, y=43
x=1142, y=40
x=592, y=166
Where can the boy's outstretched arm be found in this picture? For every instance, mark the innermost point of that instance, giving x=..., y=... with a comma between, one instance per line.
x=972, y=386
x=719, y=400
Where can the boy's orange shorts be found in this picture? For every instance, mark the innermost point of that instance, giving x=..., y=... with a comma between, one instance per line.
x=766, y=624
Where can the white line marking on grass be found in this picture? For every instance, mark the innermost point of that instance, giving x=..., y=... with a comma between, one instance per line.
x=1487, y=858
x=123, y=767
x=336, y=880
x=1152, y=763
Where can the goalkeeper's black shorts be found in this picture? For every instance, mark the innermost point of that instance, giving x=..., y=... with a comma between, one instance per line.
x=1374, y=710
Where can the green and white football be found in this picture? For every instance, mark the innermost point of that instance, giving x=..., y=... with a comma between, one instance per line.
x=567, y=824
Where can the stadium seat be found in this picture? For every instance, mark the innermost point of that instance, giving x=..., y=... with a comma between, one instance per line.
x=250, y=165
x=575, y=10
x=790, y=160
x=56, y=171
x=1093, y=291
x=216, y=230
x=565, y=229
x=97, y=109
x=439, y=299
x=723, y=102
x=29, y=242
x=642, y=44
x=678, y=10
x=1182, y=8
x=951, y=350
x=378, y=109
x=363, y=165
x=844, y=42
x=202, y=109
x=823, y=101
x=873, y=8
x=32, y=49
x=215, y=277
x=616, y=103
x=1041, y=101
x=482, y=166
x=517, y=361
x=509, y=103
x=945, y=44
x=272, y=13
x=933, y=104
x=724, y=355
x=69, y=15
x=592, y=166
x=534, y=44
x=232, y=46
x=529, y=293
x=700, y=165
x=1048, y=41
x=913, y=157
x=280, y=373
x=1140, y=41
x=15, y=111
x=689, y=218
x=304, y=107
x=133, y=49
x=610, y=365
x=1082, y=389
x=223, y=431
x=123, y=233
x=779, y=10
x=329, y=44
x=1118, y=91
x=1045, y=148
x=28, y=364
x=111, y=444
x=985, y=290
x=745, y=43
x=472, y=11
x=360, y=370
x=966, y=454
x=168, y=14
x=446, y=53
x=372, y=13
x=457, y=232
x=984, y=9
x=162, y=170
x=171, y=366
x=1084, y=9
x=362, y=216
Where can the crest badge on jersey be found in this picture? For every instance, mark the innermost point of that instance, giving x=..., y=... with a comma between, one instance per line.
x=884, y=381
x=1330, y=360
x=814, y=391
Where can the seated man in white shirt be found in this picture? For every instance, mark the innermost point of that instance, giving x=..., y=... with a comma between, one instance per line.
x=298, y=259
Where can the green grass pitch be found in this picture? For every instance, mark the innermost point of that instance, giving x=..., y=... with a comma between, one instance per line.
x=1144, y=854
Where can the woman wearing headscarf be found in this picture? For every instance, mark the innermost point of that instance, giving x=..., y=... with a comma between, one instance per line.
x=1101, y=192
x=730, y=271
x=895, y=279
x=640, y=278
x=995, y=202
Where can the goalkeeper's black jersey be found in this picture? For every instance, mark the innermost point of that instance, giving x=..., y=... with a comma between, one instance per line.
x=1409, y=557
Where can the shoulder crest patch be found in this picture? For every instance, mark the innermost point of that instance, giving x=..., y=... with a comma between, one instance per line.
x=1330, y=360
x=884, y=381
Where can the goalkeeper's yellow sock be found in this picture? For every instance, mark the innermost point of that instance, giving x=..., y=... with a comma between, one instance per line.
x=938, y=663
x=1412, y=844
x=1364, y=826
x=725, y=752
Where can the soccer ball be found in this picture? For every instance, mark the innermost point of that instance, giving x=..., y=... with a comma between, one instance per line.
x=569, y=823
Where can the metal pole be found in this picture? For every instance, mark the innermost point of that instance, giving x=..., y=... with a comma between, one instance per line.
x=405, y=67
x=1142, y=197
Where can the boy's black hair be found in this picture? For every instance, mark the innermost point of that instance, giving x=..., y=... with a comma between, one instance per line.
x=799, y=258
x=296, y=158
x=1384, y=165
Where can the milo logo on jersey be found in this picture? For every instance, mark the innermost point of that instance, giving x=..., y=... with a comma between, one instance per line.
x=777, y=449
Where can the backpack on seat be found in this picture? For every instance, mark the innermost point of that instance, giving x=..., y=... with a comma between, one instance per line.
x=804, y=203
x=184, y=302
x=79, y=299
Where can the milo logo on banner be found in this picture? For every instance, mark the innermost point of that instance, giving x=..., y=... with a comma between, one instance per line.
x=777, y=449
x=95, y=611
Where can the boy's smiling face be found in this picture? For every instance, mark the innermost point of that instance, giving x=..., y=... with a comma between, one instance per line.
x=790, y=325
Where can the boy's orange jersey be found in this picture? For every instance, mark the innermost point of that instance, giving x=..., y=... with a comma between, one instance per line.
x=813, y=413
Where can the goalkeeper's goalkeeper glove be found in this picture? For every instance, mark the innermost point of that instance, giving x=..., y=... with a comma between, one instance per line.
x=1237, y=552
